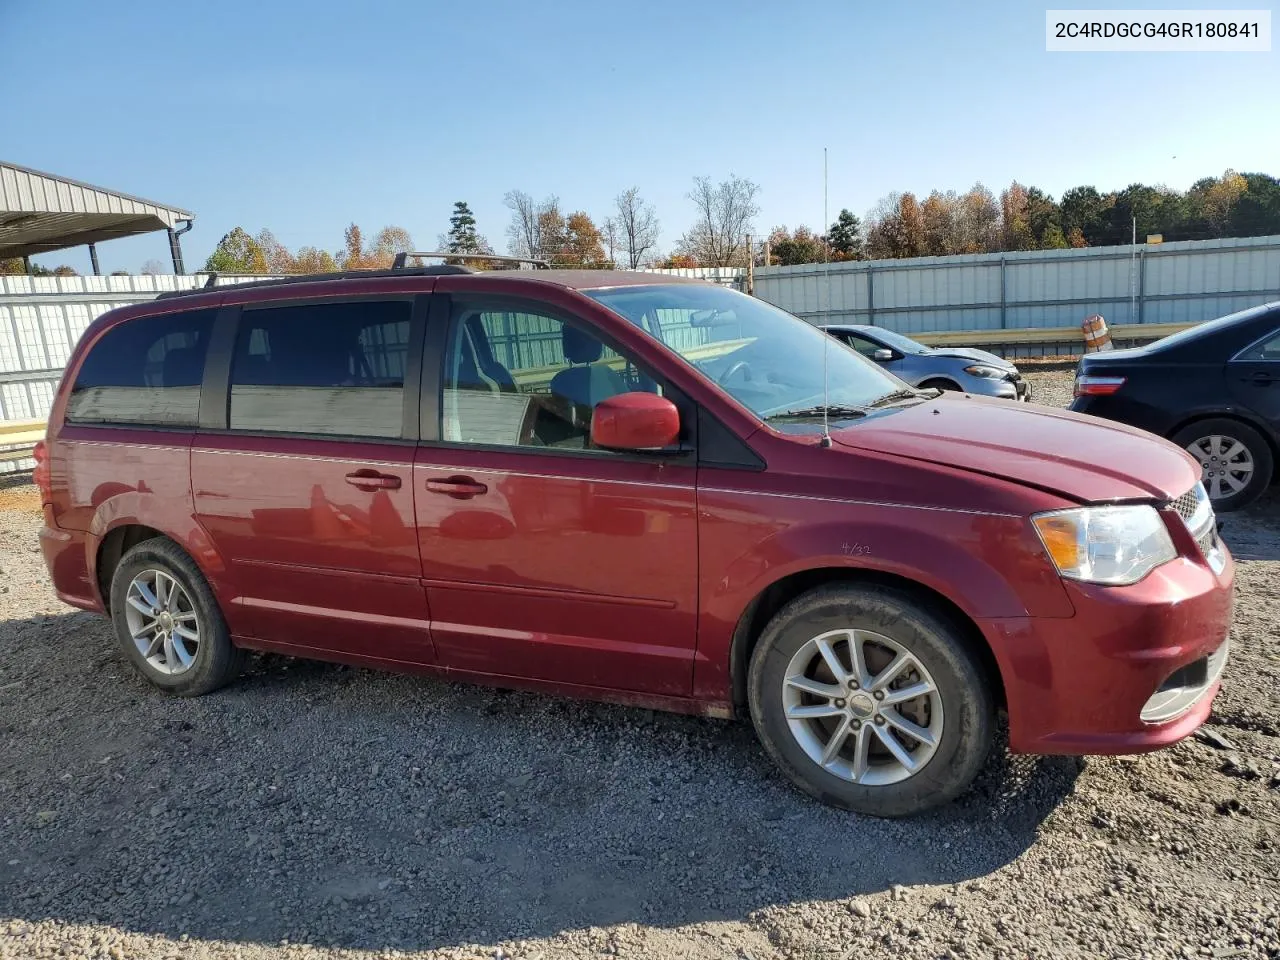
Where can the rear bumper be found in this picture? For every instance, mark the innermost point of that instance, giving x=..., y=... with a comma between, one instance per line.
x=66, y=558
x=1081, y=685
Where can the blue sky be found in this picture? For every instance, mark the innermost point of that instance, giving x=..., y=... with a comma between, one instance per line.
x=303, y=117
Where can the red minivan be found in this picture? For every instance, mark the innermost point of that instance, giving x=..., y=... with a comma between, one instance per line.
x=634, y=488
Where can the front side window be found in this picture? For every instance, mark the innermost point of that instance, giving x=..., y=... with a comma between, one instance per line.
x=864, y=346
x=769, y=361
x=144, y=371
x=330, y=368
x=521, y=377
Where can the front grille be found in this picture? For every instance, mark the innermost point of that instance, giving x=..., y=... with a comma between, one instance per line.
x=1185, y=505
x=1205, y=533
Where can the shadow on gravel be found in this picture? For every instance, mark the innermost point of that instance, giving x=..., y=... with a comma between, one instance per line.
x=1254, y=533
x=344, y=807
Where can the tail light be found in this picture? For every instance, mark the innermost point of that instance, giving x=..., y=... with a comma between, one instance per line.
x=1087, y=386
x=41, y=474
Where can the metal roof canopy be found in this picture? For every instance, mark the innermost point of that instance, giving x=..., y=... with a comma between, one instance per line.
x=40, y=213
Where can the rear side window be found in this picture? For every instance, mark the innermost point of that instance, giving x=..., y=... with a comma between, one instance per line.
x=1268, y=349
x=144, y=371
x=335, y=368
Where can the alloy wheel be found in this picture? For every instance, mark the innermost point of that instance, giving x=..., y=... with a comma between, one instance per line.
x=1226, y=464
x=163, y=622
x=862, y=707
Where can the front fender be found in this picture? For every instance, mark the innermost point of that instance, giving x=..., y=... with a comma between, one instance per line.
x=989, y=566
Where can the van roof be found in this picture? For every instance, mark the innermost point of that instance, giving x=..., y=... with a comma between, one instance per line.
x=572, y=279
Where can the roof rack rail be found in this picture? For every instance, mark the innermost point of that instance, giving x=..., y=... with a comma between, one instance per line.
x=402, y=259
x=440, y=270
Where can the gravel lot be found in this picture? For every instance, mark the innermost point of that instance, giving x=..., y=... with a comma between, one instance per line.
x=319, y=811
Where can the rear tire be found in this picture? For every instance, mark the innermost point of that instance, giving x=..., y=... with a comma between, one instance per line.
x=1225, y=447
x=168, y=623
x=799, y=709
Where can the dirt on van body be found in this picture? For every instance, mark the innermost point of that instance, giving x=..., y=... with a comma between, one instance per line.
x=318, y=811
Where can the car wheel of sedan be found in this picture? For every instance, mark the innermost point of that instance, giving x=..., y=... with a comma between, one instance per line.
x=940, y=385
x=869, y=700
x=1235, y=461
x=168, y=622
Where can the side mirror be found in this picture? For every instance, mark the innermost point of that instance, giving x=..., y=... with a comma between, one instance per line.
x=883, y=355
x=635, y=421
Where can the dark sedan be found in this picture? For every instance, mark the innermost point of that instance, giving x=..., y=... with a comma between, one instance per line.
x=1214, y=390
x=946, y=368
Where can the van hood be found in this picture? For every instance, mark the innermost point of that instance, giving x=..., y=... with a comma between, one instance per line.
x=1079, y=457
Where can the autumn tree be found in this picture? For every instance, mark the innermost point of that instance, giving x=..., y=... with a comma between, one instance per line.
x=152, y=268
x=725, y=213
x=583, y=245
x=977, y=221
x=352, y=254
x=677, y=261
x=803, y=246
x=940, y=214
x=279, y=260
x=237, y=252
x=388, y=242
x=310, y=260
x=844, y=237
x=637, y=225
x=553, y=233
x=1015, y=230
x=897, y=229
x=13, y=267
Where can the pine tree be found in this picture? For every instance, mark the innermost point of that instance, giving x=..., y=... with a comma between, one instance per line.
x=845, y=237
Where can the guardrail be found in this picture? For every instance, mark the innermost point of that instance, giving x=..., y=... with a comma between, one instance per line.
x=18, y=438
x=1034, y=335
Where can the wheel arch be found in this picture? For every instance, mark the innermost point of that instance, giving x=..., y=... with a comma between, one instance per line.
x=765, y=605
x=111, y=548
x=1263, y=430
x=934, y=381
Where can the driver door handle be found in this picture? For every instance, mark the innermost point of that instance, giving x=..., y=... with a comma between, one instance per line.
x=1262, y=378
x=460, y=488
x=373, y=480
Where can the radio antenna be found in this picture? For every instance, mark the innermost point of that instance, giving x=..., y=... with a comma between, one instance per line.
x=826, y=281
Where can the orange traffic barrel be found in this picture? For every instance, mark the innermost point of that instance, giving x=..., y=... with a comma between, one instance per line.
x=1096, y=335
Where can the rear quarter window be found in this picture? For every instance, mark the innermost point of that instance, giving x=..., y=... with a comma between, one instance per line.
x=144, y=371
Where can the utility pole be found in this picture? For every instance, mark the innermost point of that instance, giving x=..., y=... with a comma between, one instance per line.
x=1133, y=281
x=751, y=267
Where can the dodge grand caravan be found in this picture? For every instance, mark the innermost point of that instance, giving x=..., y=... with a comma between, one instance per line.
x=638, y=489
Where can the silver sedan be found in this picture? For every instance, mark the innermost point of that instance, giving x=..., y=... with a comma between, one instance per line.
x=947, y=368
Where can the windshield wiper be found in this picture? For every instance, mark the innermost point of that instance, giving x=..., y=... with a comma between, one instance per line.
x=831, y=410
x=906, y=394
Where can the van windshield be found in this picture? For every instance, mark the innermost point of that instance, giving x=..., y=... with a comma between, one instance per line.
x=768, y=360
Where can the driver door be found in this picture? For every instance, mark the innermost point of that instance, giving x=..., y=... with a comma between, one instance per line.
x=544, y=557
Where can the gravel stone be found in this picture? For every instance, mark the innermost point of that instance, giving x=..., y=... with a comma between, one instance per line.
x=316, y=811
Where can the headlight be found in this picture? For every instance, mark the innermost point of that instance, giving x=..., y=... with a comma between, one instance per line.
x=1110, y=545
x=982, y=370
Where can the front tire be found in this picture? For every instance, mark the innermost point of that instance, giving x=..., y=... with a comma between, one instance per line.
x=1235, y=460
x=870, y=701
x=168, y=623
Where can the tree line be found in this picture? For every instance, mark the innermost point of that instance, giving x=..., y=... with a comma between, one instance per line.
x=724, y=217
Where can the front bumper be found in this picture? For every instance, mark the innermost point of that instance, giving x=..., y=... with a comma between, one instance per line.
x=1081, y=685
x=1015, y=389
